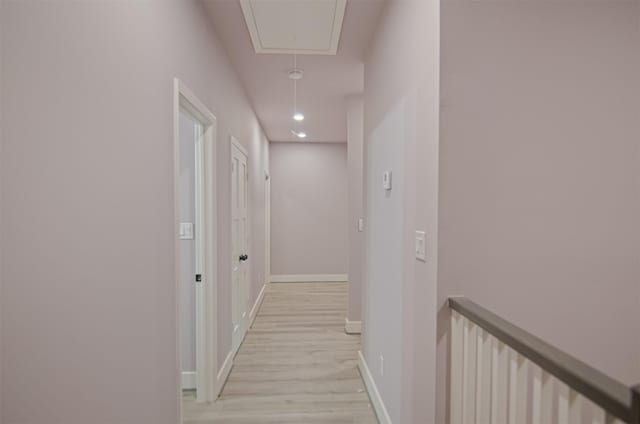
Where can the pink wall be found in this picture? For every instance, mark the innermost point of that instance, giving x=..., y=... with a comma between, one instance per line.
x=532, y=201
x=355, y=158
x=88, y=295
x=539, y=172
x=309, y=208
x=401, y=135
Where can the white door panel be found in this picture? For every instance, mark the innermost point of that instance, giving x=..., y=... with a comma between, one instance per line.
x=240, y=243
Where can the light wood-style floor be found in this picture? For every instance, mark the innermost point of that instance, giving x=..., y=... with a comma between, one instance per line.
x=296, y=364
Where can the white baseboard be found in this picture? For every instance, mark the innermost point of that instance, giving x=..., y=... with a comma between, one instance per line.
x=188, y=380
x=224, y=372
x=374, y=395
x=256, y=306
x=352, y=327
x=309, y=278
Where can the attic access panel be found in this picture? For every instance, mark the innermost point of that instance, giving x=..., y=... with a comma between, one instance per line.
x=294, y=26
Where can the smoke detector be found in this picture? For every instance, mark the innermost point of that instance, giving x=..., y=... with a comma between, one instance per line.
x=296, y=74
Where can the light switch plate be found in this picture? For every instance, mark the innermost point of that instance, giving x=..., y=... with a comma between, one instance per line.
x=360, y=225
x=421, y=246
x=386, y=180
x=186, y=231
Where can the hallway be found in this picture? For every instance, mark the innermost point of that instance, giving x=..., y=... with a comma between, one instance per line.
x=296, y=364
x=203, y=204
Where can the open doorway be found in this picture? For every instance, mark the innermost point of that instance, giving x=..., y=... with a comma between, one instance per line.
x=196, y=251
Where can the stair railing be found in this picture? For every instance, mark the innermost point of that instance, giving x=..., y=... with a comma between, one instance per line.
x=501, y=374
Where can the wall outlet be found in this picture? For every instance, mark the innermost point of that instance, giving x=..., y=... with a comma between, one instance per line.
x=381, y=365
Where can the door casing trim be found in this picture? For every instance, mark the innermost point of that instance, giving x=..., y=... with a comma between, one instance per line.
x=208, y=385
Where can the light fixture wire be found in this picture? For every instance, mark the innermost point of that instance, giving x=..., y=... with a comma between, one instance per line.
x=295, y=91
x=296, y=131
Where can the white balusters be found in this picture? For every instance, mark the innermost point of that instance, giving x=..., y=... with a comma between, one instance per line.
x=483, y=379
x=536, y=396
x=499, y=382
x=599, y=416
x=542, y=396
x=457, y=358
x=575, y=407
x=518, y=369
x=548, y=384
x=613, y=420
x=523, y=388
x=563, y=404
x=469, y=373
x=492, y=383
x=569, y=406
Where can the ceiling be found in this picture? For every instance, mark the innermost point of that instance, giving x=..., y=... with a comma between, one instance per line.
x=287, y=25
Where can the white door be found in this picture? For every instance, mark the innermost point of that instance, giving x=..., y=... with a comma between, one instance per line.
x=267, y=226
x=192, y=231
x=196, y=249
x=189, y=134
x=240, y=242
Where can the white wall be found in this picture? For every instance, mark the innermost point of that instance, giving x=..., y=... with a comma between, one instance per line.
x=309, y=208
x=355, y=159
x=401, y=135
x=386, y=250
x=539, y=172
x=88, y=298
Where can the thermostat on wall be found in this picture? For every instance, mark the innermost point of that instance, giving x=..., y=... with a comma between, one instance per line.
x=386, y=180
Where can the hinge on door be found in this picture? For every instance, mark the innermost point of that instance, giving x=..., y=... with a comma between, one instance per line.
x=198, y=278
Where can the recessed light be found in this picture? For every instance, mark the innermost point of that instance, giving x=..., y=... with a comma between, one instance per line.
x=299, y=134
x=298, y=117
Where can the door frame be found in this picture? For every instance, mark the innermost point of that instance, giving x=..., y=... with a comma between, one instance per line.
x=233, y=142
x=207, y=384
